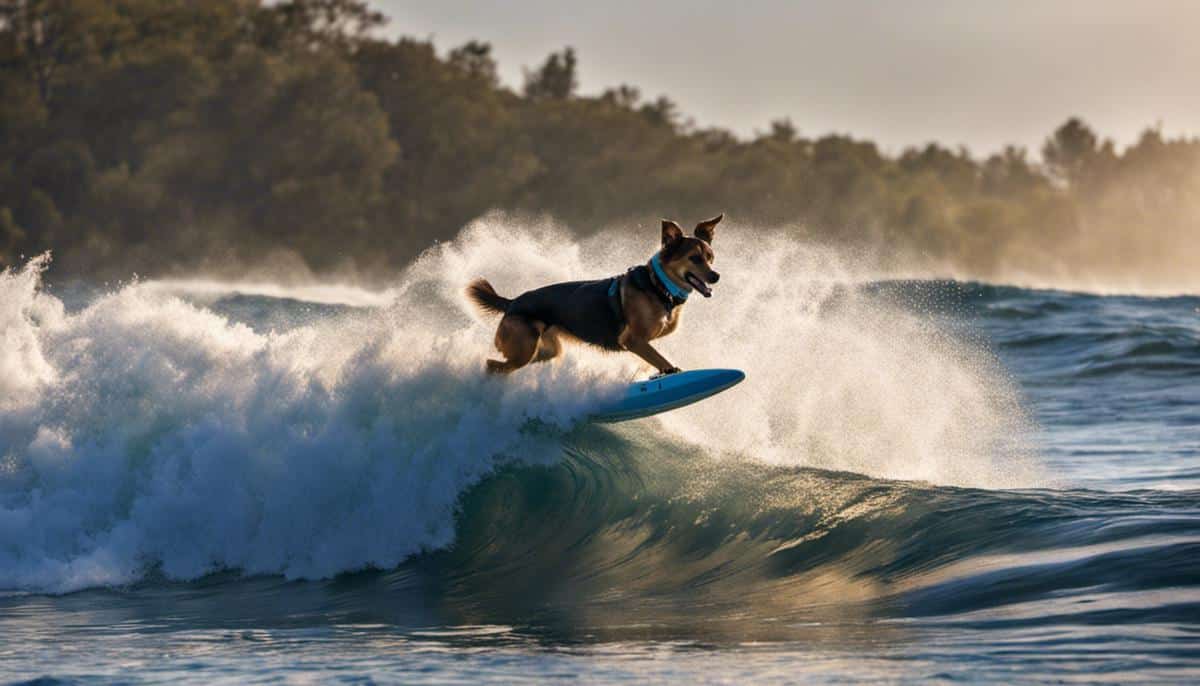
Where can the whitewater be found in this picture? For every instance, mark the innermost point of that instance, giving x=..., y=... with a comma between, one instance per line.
x=909, y=463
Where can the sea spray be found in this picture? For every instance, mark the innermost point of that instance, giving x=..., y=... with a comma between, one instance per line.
x=841, y=379
x=836, y=378
x=23, y=366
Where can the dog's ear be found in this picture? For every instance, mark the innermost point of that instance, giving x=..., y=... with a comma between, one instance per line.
x=670, y=232
x=707, y=230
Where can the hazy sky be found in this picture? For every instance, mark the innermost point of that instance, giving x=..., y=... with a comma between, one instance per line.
x=981, y=73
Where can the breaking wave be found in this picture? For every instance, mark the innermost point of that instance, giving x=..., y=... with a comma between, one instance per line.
x=175, y=429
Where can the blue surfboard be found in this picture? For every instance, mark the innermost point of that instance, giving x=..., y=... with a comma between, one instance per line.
x=663, y=393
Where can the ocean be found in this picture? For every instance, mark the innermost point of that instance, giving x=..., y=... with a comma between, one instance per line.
x=920, y=480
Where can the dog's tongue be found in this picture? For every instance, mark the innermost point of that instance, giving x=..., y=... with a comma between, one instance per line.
x=699, y=285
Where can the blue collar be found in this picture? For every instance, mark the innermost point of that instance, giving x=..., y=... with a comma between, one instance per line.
x=675, y=291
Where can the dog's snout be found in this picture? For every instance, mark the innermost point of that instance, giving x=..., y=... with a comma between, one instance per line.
x=714, y=277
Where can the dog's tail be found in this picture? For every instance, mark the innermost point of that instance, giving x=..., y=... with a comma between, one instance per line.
x=485, y=297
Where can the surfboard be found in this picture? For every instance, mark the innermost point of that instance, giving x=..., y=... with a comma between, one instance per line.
x=664, y=393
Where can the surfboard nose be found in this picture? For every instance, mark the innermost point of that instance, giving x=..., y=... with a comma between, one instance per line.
x=728, y=377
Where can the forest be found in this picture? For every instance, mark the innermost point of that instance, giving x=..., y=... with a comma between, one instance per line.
x=169, y=136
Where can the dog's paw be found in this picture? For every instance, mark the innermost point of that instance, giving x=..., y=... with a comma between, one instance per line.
x=672, y=370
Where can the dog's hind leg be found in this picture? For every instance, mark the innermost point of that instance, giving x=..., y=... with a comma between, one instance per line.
x=517, y=340
x=549, y=345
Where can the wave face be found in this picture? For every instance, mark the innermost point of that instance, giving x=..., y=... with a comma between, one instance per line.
x=650, y=540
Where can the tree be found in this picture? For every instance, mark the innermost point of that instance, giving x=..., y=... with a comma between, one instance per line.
x=42, y=37
x=783, y=130
x=662, y=112
x=338, y=23
x=474, y=60
x=1070, y=150
x=1009, y=173
x=555, y=79
x=624, y=96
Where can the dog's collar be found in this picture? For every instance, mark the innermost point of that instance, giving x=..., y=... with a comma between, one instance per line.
x=672, y=288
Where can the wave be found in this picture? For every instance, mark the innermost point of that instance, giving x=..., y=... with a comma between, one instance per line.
x=671, y=529
x=147, y=433
x=1071, y=336
x=349, y=295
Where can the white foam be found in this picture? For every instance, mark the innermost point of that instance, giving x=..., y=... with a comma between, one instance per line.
x=23, y=367
x=146, y=432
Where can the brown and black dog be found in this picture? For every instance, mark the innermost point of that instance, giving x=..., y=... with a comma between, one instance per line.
x=623, y=312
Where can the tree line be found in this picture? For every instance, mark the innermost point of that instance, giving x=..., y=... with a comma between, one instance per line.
x=151, y=135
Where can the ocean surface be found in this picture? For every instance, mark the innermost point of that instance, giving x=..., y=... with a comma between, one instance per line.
x=919, y=481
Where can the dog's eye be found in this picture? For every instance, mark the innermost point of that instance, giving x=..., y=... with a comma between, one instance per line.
x=697, y=260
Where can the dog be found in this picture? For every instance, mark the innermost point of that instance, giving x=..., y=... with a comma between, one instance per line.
x=623, y=312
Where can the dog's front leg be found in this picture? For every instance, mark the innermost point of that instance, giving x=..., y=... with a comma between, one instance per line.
x=642, y=348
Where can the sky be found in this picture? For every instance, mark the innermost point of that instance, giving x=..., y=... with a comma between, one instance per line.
x=971, y=72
